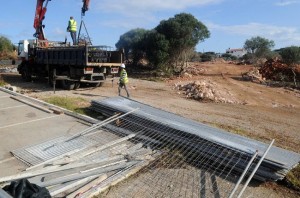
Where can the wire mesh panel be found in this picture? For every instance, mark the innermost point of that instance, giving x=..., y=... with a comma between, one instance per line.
x=36, y=154
x=185, y=166
x=181, y=164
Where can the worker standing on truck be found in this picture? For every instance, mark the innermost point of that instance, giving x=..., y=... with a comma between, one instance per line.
x=72, y=28
x=123, y=80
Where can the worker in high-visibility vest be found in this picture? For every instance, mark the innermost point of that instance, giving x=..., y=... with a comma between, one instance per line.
x=123, y=80
x=72, y=28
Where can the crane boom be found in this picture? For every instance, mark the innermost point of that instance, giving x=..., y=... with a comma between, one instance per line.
x=85, y=7
x=40, y=12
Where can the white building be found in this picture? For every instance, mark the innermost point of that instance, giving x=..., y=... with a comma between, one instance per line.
x=236, y=52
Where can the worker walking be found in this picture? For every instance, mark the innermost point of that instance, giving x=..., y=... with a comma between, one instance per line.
x=123, y=80
x=72, y=28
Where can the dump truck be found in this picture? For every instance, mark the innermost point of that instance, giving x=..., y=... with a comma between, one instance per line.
x=70, y=65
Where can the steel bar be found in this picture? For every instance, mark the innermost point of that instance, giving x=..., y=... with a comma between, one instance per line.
x=93, y=149
x=255, y=169
x=93, y=127
x=243, y=174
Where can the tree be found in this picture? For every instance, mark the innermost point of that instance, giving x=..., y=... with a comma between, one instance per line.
x=6, y=45
x=258, y=46
x=208, y=56
x=183, y=33
x=228, y=56
x=156, y=48
x=170, y=44
x=291, y=56
x=129, y=40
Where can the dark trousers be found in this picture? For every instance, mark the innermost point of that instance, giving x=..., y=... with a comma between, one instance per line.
x=73, y=36
x=123, y=85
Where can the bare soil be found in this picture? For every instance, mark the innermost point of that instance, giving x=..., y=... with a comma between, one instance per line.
x=260, y=111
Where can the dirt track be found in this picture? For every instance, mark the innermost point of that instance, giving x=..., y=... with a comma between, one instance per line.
x=262, y=112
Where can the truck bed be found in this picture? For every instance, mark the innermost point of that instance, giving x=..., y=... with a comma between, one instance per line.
x=78, y=56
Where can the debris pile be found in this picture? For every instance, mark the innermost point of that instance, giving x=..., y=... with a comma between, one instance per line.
x=194, y=70
x=86, y=166
x=276, y=70
x=205, y=90
x=8, y=70
x=253, y=75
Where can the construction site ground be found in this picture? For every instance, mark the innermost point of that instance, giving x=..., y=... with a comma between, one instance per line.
x=250, y=109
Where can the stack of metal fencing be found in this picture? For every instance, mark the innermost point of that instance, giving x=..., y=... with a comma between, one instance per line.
x=164, y=128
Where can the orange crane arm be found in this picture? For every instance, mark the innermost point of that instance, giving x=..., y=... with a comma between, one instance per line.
x=40, y=12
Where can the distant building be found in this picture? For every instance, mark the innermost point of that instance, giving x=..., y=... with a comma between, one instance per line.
x=236, y=52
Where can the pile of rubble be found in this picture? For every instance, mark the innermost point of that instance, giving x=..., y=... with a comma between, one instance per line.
x=194, y=70
x=276, y=70
x=8, y=70
x=253, y=75
x=205, y=90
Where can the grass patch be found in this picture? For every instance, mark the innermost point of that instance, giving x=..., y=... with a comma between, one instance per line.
x=229, y=128
x=75, y=104
x=293, y=177
x=2, y=82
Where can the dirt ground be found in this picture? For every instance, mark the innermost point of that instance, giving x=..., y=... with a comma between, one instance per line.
x=258, y=111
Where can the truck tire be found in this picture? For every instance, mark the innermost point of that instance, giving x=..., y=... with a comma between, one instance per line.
x=67, y=84
x=99, y=84
x=77, y=85
x=26, y=73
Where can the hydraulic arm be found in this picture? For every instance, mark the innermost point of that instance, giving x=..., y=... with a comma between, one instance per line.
x=40, y=12
x=85, y=6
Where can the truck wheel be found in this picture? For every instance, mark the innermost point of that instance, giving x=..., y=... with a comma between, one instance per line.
x=26, y=74
x=99, y=84
x=77, y=85
x=96, y=84
x=67, y=84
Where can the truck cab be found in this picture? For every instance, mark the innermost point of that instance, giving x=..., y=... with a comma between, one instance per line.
x=23, y=48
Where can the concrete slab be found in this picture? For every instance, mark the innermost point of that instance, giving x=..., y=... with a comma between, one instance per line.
x=22, y=125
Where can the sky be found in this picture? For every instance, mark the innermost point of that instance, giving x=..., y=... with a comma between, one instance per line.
x=230, y=22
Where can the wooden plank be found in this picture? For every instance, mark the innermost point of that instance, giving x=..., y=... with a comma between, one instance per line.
x=80, y=175
x=116, y=178
x=69, y=185
x=87, y=186
x=28, y=174
x=113, y=180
